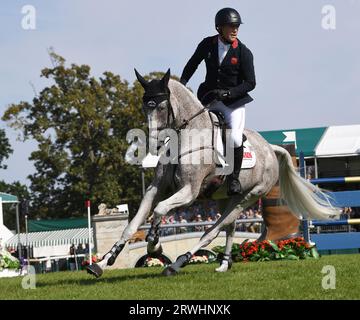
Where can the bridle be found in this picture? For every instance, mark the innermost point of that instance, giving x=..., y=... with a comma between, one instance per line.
x=184, y=123
x=170, y=110
x=152, y=104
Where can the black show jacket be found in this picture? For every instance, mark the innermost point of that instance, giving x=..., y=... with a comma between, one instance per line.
x=236, y=72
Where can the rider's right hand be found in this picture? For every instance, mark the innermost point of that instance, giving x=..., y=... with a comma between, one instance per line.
x=217, y=94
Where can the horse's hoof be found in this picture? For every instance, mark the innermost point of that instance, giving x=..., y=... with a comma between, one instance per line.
x=94, y=270
x=222, y=268
x=168, y=272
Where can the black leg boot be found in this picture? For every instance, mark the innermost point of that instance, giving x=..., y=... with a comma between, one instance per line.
x=234, y=186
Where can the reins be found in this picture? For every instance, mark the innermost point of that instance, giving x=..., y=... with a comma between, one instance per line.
x=186, y=122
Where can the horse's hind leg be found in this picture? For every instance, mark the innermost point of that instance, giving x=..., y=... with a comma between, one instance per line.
x=235, y=205
x=226, y=261
x=227, y=218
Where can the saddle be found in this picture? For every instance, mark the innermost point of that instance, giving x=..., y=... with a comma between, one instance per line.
x=219, y=143
x=221, y=124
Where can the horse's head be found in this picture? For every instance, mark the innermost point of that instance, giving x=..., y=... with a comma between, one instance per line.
x=156, y=105
x=156, y=101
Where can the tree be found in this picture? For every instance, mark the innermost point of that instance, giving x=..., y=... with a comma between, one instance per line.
x=80, y=124
x=5, y=149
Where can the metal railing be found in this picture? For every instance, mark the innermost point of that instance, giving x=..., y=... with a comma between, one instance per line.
x=175, y=228
x=248, y=225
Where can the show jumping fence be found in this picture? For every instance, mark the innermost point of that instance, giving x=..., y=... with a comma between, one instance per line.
x=332, y=241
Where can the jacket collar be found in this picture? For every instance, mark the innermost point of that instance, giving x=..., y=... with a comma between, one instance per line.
x=234, y=45
x=215, y=50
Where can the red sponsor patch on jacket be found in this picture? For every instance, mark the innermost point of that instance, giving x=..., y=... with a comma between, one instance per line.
x=234, y=60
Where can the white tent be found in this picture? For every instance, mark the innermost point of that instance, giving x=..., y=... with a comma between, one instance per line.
x=51, y=243
x=339, y=141
x=5, y=233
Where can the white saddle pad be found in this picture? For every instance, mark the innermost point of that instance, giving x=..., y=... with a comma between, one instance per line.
x=249, y=159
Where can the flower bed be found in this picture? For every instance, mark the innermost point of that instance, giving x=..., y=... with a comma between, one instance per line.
x=292, y=249
x=7, y=261
x=94, y=259
x=198, y=259
x=154, y=262
x=8, y=273
x=203, y=256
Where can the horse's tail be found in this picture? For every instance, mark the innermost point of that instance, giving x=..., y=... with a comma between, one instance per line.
x=302, y=197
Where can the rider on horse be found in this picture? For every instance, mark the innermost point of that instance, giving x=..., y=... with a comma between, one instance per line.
x=230, y=76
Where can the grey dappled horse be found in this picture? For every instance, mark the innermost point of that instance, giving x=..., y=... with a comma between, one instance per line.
x=169, y=104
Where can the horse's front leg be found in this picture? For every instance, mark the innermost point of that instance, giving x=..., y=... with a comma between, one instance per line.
x=154, y=247
x=185, y=196
x=109, y=258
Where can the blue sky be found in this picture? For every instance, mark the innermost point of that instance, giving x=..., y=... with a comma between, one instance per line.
x=307, y=76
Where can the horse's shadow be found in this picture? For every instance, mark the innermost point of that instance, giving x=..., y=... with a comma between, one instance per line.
x=92, y=280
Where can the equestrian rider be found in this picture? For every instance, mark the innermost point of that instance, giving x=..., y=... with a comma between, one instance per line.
x=229, y=77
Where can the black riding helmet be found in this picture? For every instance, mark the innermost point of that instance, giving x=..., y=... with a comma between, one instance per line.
x=227, y=16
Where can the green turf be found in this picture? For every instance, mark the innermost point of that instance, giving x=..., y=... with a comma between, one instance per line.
x=254, y=280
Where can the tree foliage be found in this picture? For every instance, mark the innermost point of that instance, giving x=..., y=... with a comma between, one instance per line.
x=5, y=149
x=80, y=124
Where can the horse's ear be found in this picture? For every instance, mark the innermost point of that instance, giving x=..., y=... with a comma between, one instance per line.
x=141, y=79
x=166, y=78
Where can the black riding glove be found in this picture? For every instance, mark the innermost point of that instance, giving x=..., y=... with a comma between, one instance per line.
x=217, y=94
x=221, y=94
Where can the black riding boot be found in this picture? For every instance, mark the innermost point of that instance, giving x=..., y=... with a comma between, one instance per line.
x=234, y=186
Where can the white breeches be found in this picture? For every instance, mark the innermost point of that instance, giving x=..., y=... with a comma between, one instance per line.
x=234, y=118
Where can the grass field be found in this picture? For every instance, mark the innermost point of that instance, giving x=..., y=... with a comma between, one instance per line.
x=254, y=280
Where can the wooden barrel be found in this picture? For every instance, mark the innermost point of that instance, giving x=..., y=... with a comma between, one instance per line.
x=279, y=222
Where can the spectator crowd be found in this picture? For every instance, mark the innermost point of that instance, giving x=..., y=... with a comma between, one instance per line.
x=206, y=211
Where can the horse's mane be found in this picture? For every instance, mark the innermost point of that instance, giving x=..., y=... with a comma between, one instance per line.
x=178, y=92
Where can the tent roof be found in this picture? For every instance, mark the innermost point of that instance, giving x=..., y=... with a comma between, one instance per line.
x=51, y=238
x=57, y=224
x=305, y=140
x=340, y=141
x=8, y=198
